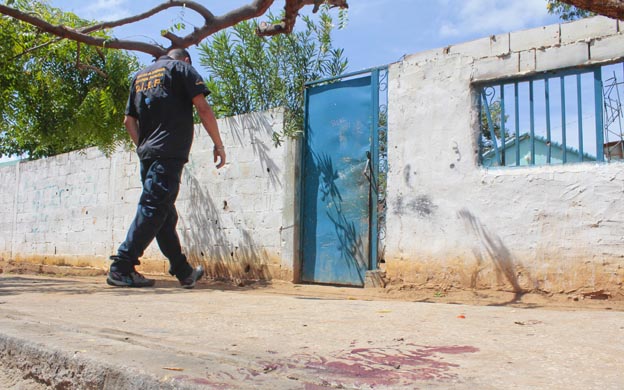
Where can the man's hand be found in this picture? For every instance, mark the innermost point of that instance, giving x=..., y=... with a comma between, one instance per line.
x=219, y=155
x=210, y=124
x=132, y=127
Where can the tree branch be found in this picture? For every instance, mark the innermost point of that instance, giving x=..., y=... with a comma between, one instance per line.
x=611, y=8
x=200, y=9
x=176, y=41
x=35, y=48
x=211, y=24
x=78, y=36
x=81, y=66
x=290, y=15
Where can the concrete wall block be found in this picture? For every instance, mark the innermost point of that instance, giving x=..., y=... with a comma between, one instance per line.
x=588, y=28
x=242, y=169
x=261, y=202
x=8, y=177
x=273, y=220
x=561, y=57
x=132, y=194
x=5, y=243
x=495, y=45
x=95, y=154
x=535, y=38
x=495, y=67
x=248, y=187
x=99, y=248
x=234, y=204
x=277, y=201
x=412, y=60
x=607, y=48
x=97, y=164
x=526, y=61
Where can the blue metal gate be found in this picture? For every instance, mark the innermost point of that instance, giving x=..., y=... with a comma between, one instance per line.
x=340, y=158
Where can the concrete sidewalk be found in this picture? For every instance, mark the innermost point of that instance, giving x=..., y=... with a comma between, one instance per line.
x=79, y=333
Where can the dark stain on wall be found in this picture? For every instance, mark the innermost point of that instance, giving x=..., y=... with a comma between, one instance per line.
x=407, y=175
x=457, y=152
x=421, y=205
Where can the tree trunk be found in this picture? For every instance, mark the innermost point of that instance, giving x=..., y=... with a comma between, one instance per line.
x=611, y=8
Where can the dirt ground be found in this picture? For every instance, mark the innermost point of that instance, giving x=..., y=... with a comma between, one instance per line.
x=585, y=299
x=276, y=331
x=14, y=379
x=571, y=301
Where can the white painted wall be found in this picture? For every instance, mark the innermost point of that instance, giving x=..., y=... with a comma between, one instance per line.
x=75, y=208
x=453, y=223
x=8, y=177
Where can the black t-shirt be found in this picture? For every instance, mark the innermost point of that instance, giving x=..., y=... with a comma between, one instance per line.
x=161, y=99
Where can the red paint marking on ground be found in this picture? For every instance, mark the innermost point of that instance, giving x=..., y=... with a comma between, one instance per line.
x=203, y=381
x=394, y=367
x=384, y=366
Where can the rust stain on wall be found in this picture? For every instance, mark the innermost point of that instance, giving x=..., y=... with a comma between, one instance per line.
x=472, y=274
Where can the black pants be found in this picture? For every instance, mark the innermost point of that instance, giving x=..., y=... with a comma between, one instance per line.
x=156, y=217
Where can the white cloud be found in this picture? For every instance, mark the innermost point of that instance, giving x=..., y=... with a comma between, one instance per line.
x=487, y=17
x=378, y=12
x=105, y=10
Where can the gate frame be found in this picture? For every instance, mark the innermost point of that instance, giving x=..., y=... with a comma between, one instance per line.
x=373, y=231
x=484, y=99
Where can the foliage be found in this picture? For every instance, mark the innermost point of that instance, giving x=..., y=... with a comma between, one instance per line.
x=57, y=96
x=495, y=114
x=565, y=11
x=502, y=134
x=251, y=73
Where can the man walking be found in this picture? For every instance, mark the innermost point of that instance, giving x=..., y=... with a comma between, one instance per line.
x=159, y=119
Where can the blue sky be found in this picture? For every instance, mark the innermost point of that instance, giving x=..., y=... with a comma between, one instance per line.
x=378, y=32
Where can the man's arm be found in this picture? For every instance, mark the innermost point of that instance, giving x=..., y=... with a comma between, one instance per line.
x=132, y=127
x=210, y=124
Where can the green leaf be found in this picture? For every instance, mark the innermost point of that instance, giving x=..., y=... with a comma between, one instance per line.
x=48, y=105
x=250, y=73
x=565, y=11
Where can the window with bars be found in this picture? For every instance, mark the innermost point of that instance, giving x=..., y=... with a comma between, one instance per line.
x=562, y=117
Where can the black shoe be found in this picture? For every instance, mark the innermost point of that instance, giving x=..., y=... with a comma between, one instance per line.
x=189, y=281
x=133, y=279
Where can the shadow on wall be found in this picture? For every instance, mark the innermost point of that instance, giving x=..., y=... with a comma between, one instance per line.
x=207, y=243
x=339, y=212
x=246, y=128
x=495, y=249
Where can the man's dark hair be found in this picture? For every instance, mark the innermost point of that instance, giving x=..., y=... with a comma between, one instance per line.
x=179, y=54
